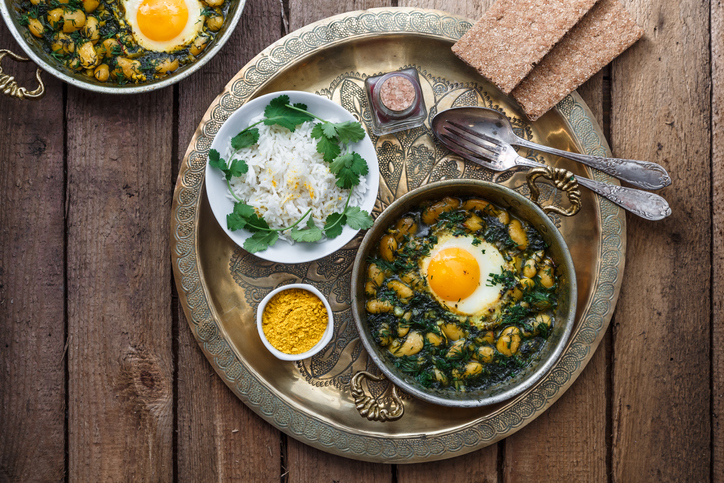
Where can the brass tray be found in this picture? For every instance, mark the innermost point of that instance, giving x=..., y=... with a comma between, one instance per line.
x=220, y=284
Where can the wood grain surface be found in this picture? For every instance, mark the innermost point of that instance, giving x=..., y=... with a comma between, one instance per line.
x=32, y=282
x=660, y=111
x=102, y=379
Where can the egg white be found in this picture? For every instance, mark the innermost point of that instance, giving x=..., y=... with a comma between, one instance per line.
x=490, y=261
x=194, y=24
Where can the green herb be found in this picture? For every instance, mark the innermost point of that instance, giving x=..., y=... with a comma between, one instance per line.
x=281, y=113
x=246, y=138
x=507, y=279
x=348, y=168
x=236, y=168
x=310, y=234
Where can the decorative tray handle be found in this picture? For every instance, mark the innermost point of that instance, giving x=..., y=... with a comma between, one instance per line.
x=10, y=88
x=562, y=179
x=368, y=406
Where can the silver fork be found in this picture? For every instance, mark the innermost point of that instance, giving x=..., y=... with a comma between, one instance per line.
x=500, y=156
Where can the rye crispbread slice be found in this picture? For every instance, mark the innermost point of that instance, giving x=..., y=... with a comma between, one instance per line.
x=601, y=36
x=514, y=35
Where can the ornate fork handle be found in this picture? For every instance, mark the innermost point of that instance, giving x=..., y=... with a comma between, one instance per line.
x=647, y=205
x=642, y=174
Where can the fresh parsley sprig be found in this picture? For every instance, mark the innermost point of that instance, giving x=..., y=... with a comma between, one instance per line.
x=347, y=168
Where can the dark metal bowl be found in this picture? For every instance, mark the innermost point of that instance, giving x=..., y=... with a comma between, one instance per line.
x=565, y=316
x=34, y=49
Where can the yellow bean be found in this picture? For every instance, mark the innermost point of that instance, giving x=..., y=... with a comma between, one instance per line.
x=376, y=306
x=36, y=27
x=108, y=45
x=35, y=2
x=547, y=275
x=456, y=349
x=167, y=65
x=101, y=73
x=384, y=334
x=526, y=284
x=73, y=21
x=518, y=235
x=440, y=376
x=198, y=45
x=472, y=368
x=215, y=23
x=402, y=290
x=542, y=319
x=476, y=205
x=509, y=341
x=402, y=330
x=529, y=269
x=214, y=3
x=413, y=279
x=54, y=16
x=504, y=217
x=370, y=289
x=411, y=346
x=489, y=337
x=452, y=331
x=405, y=226
x=91, y=30
x=433, y=339
x=375, y=274
x=485, y=354
x=63, y=43
x=388, y=246
x=432, y=213
x=517, y=293
x=474, y=223
x=87, y=55
x=90, y=5
x=131, y=69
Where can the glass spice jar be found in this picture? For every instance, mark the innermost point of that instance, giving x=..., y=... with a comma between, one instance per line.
x=396, y=101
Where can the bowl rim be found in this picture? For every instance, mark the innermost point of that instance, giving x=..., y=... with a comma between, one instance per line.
x=89, y=85
x=533, y=378
x=280, y=252
x=326, y=337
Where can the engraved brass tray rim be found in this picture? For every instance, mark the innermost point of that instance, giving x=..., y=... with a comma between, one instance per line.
x=275, y=408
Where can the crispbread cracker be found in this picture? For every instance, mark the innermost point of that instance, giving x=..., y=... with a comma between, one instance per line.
x=601, y=36
x=514, y=35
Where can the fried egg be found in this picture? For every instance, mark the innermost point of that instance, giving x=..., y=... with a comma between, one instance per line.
x=164, y=25
x=457, y=273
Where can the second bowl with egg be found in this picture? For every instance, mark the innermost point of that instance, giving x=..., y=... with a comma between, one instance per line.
x=464, y=293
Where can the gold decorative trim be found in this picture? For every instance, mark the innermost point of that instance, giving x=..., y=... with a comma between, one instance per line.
x=10, y=87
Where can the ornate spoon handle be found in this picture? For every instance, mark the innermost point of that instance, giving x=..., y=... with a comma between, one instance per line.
x=647, y=205
x=642, y=174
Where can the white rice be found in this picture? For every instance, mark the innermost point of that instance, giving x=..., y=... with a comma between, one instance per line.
x=287, y=176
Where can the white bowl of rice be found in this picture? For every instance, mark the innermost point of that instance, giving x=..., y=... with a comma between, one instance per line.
x=287, y=177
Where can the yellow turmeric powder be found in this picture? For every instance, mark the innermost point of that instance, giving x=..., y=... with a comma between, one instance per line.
x=294, y=321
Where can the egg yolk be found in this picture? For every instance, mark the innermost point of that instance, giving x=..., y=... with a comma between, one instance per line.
x=453, y=274
x=162, y=20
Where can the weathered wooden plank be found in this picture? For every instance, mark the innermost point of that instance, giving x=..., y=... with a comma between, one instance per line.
x=220, y=438
x=120, y=416
x=576, y=424
x=717, y=170
x=307, y=464
x=660, y=111
x=32, y=280
x=303, y=12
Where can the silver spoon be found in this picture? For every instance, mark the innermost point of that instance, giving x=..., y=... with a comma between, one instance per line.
x=497, y=155
x=641, y=174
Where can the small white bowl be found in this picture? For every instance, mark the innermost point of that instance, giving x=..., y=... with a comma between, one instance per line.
x=326, y=337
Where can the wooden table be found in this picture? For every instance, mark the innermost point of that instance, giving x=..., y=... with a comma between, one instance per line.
x=101, y=379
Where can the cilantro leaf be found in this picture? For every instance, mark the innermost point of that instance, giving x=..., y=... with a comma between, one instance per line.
x=349, y=131
x=317, y=131
x=329, y=148
x=245, y=139
x=278, y=112
x=348, y=168
x=237, y=168
x=310, y=234
x=235, y=222
x=215, y=160
x=333, y=225
x=256, y=223
x=329, y=129
x=244, y=210
x=260, y=241
x=358, y=219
